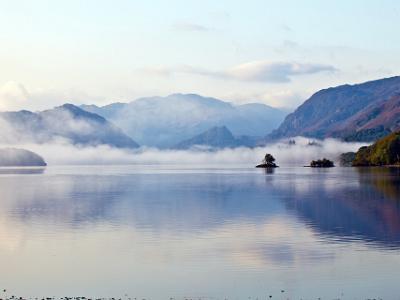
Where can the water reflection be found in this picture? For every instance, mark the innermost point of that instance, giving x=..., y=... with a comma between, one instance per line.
x=21, y=170
x=187, y=203
x=349, y=205
x=357, y=204
x=385, y=180
x=133, y=230
x=269, y=170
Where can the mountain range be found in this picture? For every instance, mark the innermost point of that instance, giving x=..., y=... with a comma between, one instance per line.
x=360, y=112
x=217, y=137
x=67, y=122
x=164, y=122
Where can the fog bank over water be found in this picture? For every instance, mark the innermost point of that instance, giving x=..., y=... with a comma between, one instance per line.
x=301, y=153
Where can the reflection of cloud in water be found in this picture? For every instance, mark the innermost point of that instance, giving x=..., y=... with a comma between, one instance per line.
x=190, y=202
x=340, y=204
x=278, y=242
x=11, y=237
x=219, y=232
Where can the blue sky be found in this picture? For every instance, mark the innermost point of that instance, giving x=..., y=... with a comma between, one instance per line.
x=275, y=52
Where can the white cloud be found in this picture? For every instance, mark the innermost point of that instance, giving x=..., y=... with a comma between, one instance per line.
x=286, y=28
x=63, y=153
x=15, y=96
x=256, y=71
x=275, y=71
x=183, y=69
x=288, y=46
x=284, y=98
x=187, y=26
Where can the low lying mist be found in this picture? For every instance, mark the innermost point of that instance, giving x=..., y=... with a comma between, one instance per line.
x=297, y=153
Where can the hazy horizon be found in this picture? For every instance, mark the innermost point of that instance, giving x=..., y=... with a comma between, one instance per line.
x=62, y=152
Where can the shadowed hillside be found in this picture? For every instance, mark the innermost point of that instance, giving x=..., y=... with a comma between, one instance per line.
x=67, y=122
x=360, y=112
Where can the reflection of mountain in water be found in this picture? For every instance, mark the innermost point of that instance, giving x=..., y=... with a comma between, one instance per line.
x=23, y=170
x=369, y=211
x=157, y=202
x=385, y=180
x=341, y=204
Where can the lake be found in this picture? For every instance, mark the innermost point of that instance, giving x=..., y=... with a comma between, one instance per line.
x=161, y=232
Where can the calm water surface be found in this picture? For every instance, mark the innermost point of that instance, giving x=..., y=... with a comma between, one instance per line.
x=160, y=232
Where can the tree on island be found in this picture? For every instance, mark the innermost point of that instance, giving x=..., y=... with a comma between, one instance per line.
x=322, y=163
x=268, y=162
x=385, y=151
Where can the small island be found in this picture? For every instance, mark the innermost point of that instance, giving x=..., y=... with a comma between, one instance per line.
x=321, y=163
x=268, y=162
x=12, y=157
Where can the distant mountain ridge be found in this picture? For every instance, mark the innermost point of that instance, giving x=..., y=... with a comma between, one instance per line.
x=363, y=112
x=166, y=121
x=217, y=137
x=67, y=122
